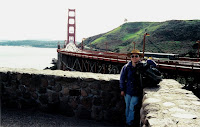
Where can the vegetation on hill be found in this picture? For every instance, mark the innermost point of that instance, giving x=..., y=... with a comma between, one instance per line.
x=32, y=43
x=174, y=36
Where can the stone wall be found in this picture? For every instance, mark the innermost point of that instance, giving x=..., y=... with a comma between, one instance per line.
x=96, y=96
x=83, y=95
x=170, y=106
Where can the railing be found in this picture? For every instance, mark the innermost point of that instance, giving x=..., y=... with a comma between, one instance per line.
x=122, y=58
x=179, y=65
x=113, y=57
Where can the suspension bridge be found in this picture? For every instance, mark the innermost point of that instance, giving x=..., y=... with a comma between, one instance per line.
x=72, y=58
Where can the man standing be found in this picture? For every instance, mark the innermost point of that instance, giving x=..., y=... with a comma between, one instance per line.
x=130, y=85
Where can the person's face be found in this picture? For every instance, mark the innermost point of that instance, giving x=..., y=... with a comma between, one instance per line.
x=135, y=58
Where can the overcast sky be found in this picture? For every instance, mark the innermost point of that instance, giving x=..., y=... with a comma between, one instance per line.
x=47, y=19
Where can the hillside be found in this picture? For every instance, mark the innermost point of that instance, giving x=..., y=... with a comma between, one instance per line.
x=174, y=36
x=32, y=43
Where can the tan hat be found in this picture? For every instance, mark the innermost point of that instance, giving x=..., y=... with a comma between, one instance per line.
x=135, y=51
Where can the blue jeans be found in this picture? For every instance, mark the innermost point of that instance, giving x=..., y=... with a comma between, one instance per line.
x=130, y=101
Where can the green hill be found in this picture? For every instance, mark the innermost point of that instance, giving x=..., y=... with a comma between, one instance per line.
x=174, y=36
x=32, y=43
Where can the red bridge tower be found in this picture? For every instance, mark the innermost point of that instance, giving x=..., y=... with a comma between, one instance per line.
x=71, y=27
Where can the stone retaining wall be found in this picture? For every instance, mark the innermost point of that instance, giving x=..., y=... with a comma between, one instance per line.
x=170, y=106
x=96, y=96
x=83, y=95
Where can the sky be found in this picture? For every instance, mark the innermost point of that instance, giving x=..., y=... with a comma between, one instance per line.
x=47, y=19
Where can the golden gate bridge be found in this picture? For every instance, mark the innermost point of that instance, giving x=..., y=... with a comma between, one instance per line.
x=70, y=57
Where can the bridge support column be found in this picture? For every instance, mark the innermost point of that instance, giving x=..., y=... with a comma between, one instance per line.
x=71, y=27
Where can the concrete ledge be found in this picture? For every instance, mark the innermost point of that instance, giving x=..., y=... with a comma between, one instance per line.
x=73, y=74
x=170, y=106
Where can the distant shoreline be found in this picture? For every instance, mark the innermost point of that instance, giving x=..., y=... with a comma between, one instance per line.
x=26, y=46
x=31, y=43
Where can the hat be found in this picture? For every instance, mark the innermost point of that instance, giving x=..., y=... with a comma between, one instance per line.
x=135, y=51
x=150, y=58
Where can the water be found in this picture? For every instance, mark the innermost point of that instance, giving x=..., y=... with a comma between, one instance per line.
x=26, y=57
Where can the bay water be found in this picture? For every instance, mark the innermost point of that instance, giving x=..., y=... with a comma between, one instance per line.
x=26, y=57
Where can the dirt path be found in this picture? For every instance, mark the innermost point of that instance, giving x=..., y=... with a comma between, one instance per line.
x=16, y=118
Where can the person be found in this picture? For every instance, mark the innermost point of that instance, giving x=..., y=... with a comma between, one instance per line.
x=130, y=85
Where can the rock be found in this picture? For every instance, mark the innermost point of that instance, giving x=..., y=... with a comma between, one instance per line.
x=88, y=91
x=106, y=87
x=69, y=79
x=32, y=89
x=42, y=90
x=83, y=93
x=97, y=113
x=114, y=84
x=163, y=123
x=26, y=95
x=73, y=103
x=184, y=115
x=95, y=86
x=75, y=86
x=151, y=108
x=89, y=79
x=175, y=109
x=86, y=102
x=84, y=84
x=106, y=98
x=4, y=77
x=51, y=81
x=44, y=82
x=182, y=91
x=150, y=101
x=19, y=76
x=57, y=87
x=168, y=104
x=53, y=107
x=97, y=101
x=22, y=88
x=35, y=81
x=65, y=91
x=43, y=107
x=83, y=113
x=34, y=95
x=65, y=109
x=43, y=99
x=53, y=97
x=18, y=93
x=95, y=92
x=74, y=93
x=49, y=87
x=26, y=79
x=14, y=85
x=58, y=78
x=13, y=76
x=196, y=102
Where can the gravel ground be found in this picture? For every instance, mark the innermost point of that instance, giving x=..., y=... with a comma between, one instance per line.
x=18, y=118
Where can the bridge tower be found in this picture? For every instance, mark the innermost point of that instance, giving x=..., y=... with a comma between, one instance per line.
x=71, y=26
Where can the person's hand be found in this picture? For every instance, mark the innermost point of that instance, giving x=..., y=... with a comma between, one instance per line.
x=122, y=93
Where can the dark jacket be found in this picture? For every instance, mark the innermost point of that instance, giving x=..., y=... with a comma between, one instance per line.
x=130, y=80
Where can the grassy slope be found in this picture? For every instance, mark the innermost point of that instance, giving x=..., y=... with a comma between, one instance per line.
x=175, y=36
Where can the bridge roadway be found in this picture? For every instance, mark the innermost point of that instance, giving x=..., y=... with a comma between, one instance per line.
x=179, y=65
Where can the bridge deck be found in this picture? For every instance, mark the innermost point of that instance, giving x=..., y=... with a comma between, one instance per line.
x=179, y=65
